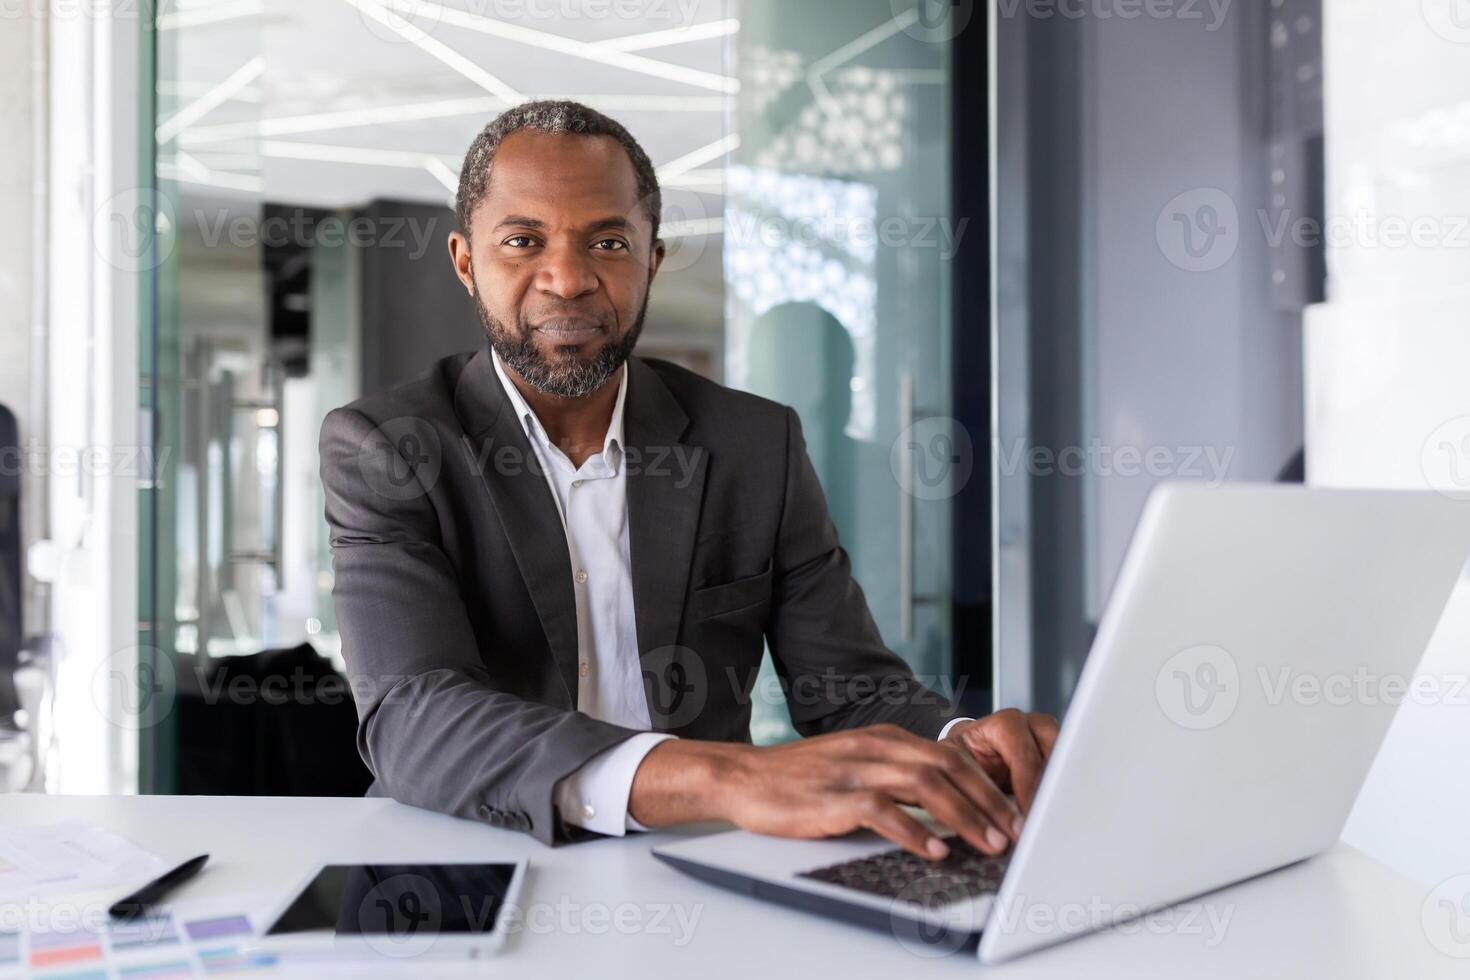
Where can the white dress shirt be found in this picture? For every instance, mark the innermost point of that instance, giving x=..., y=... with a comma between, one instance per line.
x=593, y=503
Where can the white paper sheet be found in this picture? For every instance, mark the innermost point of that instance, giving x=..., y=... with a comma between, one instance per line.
x=71, y=856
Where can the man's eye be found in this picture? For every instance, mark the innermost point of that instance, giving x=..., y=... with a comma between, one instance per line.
x=520, y=241
x=610, y=245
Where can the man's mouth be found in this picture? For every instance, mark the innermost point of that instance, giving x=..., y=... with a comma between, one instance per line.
x=570, y=331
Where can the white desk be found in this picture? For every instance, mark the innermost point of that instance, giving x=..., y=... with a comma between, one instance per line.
x=1339, y=916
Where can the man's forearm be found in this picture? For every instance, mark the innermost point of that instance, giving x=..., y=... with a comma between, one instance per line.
x=686, y=781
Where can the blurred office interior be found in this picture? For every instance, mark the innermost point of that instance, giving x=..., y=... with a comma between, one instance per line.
x=1012, y=263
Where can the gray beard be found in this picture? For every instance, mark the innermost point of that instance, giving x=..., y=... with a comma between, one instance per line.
x=569, y=378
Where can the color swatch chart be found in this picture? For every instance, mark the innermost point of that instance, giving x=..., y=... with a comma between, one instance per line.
x=158, y=946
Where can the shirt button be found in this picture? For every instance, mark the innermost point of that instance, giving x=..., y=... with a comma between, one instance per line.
x=581, y=576
x=588, y=812
x=585, y=670
x=576, y=484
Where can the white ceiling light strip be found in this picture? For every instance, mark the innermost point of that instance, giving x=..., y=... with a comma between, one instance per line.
x=445, y=109
x=211, y=100
x=696, y=178
x=437, y=49
x=216, y=13
x=326, y=153
x=443, y=173
x=186, y=170
x=678, y=35
x=191, y=166
x=705, y=154
x=344, y=119
x=855, y=47
x=564, y=45
x=186, y=90
x=650, y=103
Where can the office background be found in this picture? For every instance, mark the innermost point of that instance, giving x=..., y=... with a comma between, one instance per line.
x=1013, y=263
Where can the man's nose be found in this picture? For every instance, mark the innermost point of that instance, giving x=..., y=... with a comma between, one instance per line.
x=566, y=273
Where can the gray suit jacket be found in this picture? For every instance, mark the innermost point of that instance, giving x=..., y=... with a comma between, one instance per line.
x=453, y=588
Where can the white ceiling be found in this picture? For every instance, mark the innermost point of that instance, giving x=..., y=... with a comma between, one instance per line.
x=265, y=83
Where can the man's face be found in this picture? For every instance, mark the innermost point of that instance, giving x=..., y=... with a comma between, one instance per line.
x=562, y=259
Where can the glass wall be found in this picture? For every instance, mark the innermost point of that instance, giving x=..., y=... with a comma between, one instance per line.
x=838, y=243
x=1149, y=322
x=307, y=154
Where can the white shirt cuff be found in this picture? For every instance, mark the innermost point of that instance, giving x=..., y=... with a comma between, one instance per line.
x=944, y=732
x=595, y=797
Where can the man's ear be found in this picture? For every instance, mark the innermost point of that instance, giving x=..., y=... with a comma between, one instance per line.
x=656, y=259
x=459, y=254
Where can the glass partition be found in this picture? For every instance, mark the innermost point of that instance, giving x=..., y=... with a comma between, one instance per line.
x=307, y=155
x=838, y=241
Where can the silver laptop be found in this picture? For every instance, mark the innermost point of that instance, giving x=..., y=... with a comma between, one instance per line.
x=1250, y=660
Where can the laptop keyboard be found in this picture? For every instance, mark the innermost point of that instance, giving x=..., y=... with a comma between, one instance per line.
x=965, y=874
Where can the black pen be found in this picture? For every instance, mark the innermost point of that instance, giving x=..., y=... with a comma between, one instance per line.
x=134, y=904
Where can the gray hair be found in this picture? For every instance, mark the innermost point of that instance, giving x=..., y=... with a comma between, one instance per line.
x=557, y=119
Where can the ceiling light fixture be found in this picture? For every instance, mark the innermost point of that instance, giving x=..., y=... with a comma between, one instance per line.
x=705, y=154
x=678, y=35
x=209, y=101
x=568, y=46
x=326, y=153
x=443, y=109
x=436, y=49
x=215, y=13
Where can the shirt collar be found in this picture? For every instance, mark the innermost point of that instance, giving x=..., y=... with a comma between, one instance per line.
x=612, y=444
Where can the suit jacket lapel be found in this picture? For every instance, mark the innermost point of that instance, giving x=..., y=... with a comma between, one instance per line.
x=665, y=480
x=523, y=501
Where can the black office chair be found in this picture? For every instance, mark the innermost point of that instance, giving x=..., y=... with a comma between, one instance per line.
x=288, y=729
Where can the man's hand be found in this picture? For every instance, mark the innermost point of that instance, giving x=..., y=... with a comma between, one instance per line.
x=1012, y=747
x=830, y=785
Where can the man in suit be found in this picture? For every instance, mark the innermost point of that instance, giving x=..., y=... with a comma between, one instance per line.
x=556, y=564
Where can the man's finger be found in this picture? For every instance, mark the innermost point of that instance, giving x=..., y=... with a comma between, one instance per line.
x=930, y=787
x=885, y=817
x=1044, y=728
x=964, y=770
x=1007, y=734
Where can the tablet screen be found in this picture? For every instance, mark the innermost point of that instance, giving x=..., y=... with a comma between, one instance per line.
x=399, y=900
